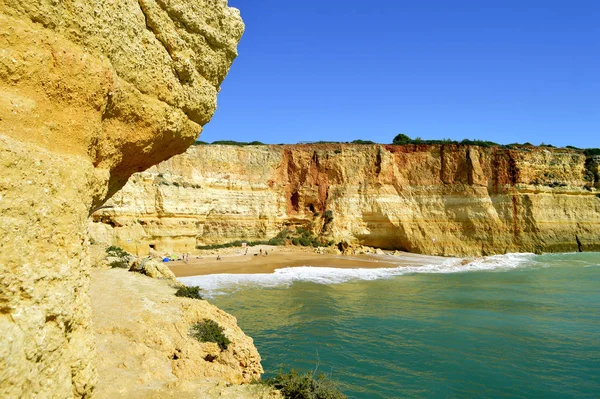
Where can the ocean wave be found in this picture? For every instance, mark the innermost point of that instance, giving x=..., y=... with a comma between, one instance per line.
x=215, y=284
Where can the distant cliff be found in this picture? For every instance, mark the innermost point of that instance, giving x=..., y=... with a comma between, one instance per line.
x=432, y=199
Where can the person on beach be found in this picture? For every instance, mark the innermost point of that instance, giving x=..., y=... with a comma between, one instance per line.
x=260, y=251
x=218, y=257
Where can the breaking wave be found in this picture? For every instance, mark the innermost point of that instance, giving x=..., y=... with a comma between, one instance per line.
x=219, y=283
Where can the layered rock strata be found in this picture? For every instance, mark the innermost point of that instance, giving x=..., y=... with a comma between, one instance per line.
x=431, y=199
x=90, y=92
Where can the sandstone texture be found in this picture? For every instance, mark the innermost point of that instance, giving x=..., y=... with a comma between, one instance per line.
x=430, y=199
x=90, y=92
x=145, y=350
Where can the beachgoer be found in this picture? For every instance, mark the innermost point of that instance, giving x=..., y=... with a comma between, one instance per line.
x=266, y=253
x=218, y=257
x=246, y=253
x=260, y=251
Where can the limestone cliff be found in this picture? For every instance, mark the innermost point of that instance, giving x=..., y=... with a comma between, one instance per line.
x=90, y=92
x=432, y=199
x=149, y=353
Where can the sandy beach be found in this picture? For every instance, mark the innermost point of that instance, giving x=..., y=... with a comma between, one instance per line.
x=234, y=261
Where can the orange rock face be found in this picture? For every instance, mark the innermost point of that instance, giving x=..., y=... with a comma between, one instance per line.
x=432, y=199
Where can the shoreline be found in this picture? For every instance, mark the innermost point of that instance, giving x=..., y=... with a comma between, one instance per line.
x=281, y=257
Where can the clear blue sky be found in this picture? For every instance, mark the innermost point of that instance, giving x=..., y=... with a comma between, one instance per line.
x=500, y=70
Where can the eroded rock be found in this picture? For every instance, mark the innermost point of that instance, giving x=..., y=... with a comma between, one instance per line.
x=431, y=199
x=90, y=92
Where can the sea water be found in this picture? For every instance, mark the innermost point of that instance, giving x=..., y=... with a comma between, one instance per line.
x=510, y=326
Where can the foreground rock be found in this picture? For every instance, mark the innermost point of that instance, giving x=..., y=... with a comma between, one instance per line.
x=144, y=349
x=430, y=199
x=90, y=92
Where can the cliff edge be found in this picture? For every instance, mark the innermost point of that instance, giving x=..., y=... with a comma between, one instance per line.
x=448, y=200
x=150, y=354
x=90, y=92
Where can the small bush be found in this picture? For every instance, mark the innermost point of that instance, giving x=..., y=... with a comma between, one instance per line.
x=115, y=251
x=209, y=331
x=189, y=292
x=119, y=264
x=363, y=142
x=591, y=151
x=305, y=386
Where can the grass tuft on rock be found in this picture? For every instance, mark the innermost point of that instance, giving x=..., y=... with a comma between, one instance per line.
x=209, y=331
x=189, y=292
x=293, y=385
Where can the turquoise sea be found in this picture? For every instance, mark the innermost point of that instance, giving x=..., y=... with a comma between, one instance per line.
x=510, y=326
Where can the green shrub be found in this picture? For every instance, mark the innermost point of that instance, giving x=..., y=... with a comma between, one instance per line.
x=189, y=292
x=305, y=386
x=402, y=139
x=209, y=331
x=363, y=142
x=304, y=241
x=115, y=251
x=591, y=151
x=479, y=143
x=238, y=143
x=278, y=240
x=119, y=264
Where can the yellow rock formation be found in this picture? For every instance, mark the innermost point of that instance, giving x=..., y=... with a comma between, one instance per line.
x=90, y=92
x=431, y=199
x=150, y=354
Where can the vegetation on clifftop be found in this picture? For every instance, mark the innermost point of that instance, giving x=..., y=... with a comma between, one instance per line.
x=403, y=139
x=293, y=385
x=210, y=331
x=189, y=292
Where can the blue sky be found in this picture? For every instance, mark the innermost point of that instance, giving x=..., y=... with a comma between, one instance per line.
x=500, y=70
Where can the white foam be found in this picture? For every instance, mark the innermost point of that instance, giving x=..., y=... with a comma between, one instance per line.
x=215, y=284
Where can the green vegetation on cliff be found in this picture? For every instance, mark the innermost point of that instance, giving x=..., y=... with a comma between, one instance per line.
x=298, y=237
x=189, y=292
x=293, y=385
x=210, y=331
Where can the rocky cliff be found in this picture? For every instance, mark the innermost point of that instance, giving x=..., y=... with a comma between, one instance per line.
x=149, y=353
x=90, y=92
x=432, y=199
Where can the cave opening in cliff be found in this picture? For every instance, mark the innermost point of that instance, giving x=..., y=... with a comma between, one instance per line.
x=295, y=200
x=311, y=207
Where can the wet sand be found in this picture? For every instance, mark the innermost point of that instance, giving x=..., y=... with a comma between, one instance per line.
x=281, y=257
